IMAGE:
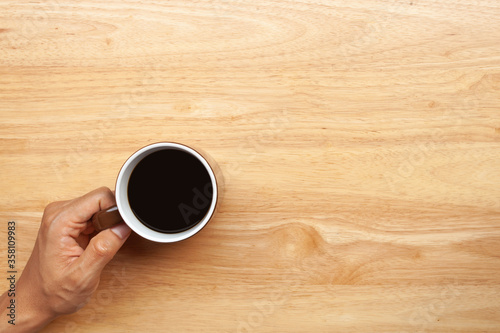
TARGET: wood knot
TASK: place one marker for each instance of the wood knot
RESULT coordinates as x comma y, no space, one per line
297,240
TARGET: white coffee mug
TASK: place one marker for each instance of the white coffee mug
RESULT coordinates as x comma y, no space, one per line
122,211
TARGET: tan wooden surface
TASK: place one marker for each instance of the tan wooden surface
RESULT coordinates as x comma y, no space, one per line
360,141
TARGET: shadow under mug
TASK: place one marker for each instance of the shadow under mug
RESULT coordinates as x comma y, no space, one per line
123,212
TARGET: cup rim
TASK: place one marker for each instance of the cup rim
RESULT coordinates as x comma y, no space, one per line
125,210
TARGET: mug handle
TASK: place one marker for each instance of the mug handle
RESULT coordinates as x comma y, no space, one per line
106,218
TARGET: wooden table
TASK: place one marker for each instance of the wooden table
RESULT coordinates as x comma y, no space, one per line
360,142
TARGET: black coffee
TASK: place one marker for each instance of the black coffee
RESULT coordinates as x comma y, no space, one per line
170,191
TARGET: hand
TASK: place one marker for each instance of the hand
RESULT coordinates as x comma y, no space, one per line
66,263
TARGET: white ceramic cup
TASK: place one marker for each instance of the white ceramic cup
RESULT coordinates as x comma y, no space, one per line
106,218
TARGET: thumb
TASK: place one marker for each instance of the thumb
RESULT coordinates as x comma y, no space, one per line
103,247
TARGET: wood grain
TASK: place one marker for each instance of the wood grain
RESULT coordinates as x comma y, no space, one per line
360,142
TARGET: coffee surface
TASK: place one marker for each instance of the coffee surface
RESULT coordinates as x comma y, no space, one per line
170,191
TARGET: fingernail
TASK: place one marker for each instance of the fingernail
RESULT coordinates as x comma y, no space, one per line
121,230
